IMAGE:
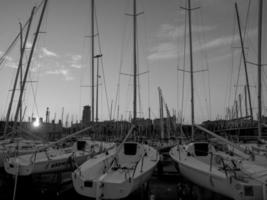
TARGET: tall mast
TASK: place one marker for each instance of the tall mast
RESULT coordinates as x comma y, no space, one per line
21,57
134,60
92,57
97,84
259,66
18,71
245,62
161,114
246,107
29,61
191,71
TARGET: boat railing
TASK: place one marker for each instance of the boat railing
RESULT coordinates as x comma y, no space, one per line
114,156
231,168
141,159
211,160
179,152
142,162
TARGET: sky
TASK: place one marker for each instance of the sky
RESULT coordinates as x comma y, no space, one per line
60,72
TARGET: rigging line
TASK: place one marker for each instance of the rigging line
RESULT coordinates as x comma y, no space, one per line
238,78
125,38
34,92
200,107
102,65
246,20
184,63
117,98
240,61
38,45
128,102
246,24
144,45
83,71
207,63
232,69
81,77
102,104
138,78
148,68
265,84
10,47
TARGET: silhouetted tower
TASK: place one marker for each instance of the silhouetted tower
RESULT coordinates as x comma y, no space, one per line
86,117
47,115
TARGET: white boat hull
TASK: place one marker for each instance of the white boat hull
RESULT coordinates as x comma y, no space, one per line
112,184
217,180
218,184
66,163
40,162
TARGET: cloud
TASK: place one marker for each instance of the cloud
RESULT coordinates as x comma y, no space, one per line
8,58
10,62
77,66
171,31
35,66
28,45
167,33
223,56
225,40
47,53
12,65
64,72
165,50
217,42
76,58
74,61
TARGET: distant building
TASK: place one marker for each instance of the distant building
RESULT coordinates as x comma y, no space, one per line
86,117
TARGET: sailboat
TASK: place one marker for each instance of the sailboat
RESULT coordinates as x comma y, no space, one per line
51,159
225,172
259,148
116,174
17,145
256,148
220,172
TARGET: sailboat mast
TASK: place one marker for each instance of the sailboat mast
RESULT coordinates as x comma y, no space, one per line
191,70
259,67
245,62
134,59
97,85
29,61
19,70
161,114
92,58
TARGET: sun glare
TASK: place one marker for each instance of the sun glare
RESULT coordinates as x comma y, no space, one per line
36,123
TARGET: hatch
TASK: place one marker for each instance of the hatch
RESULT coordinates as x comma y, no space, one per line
201,149
130,149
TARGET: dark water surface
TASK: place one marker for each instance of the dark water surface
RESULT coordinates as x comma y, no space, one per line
161,187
